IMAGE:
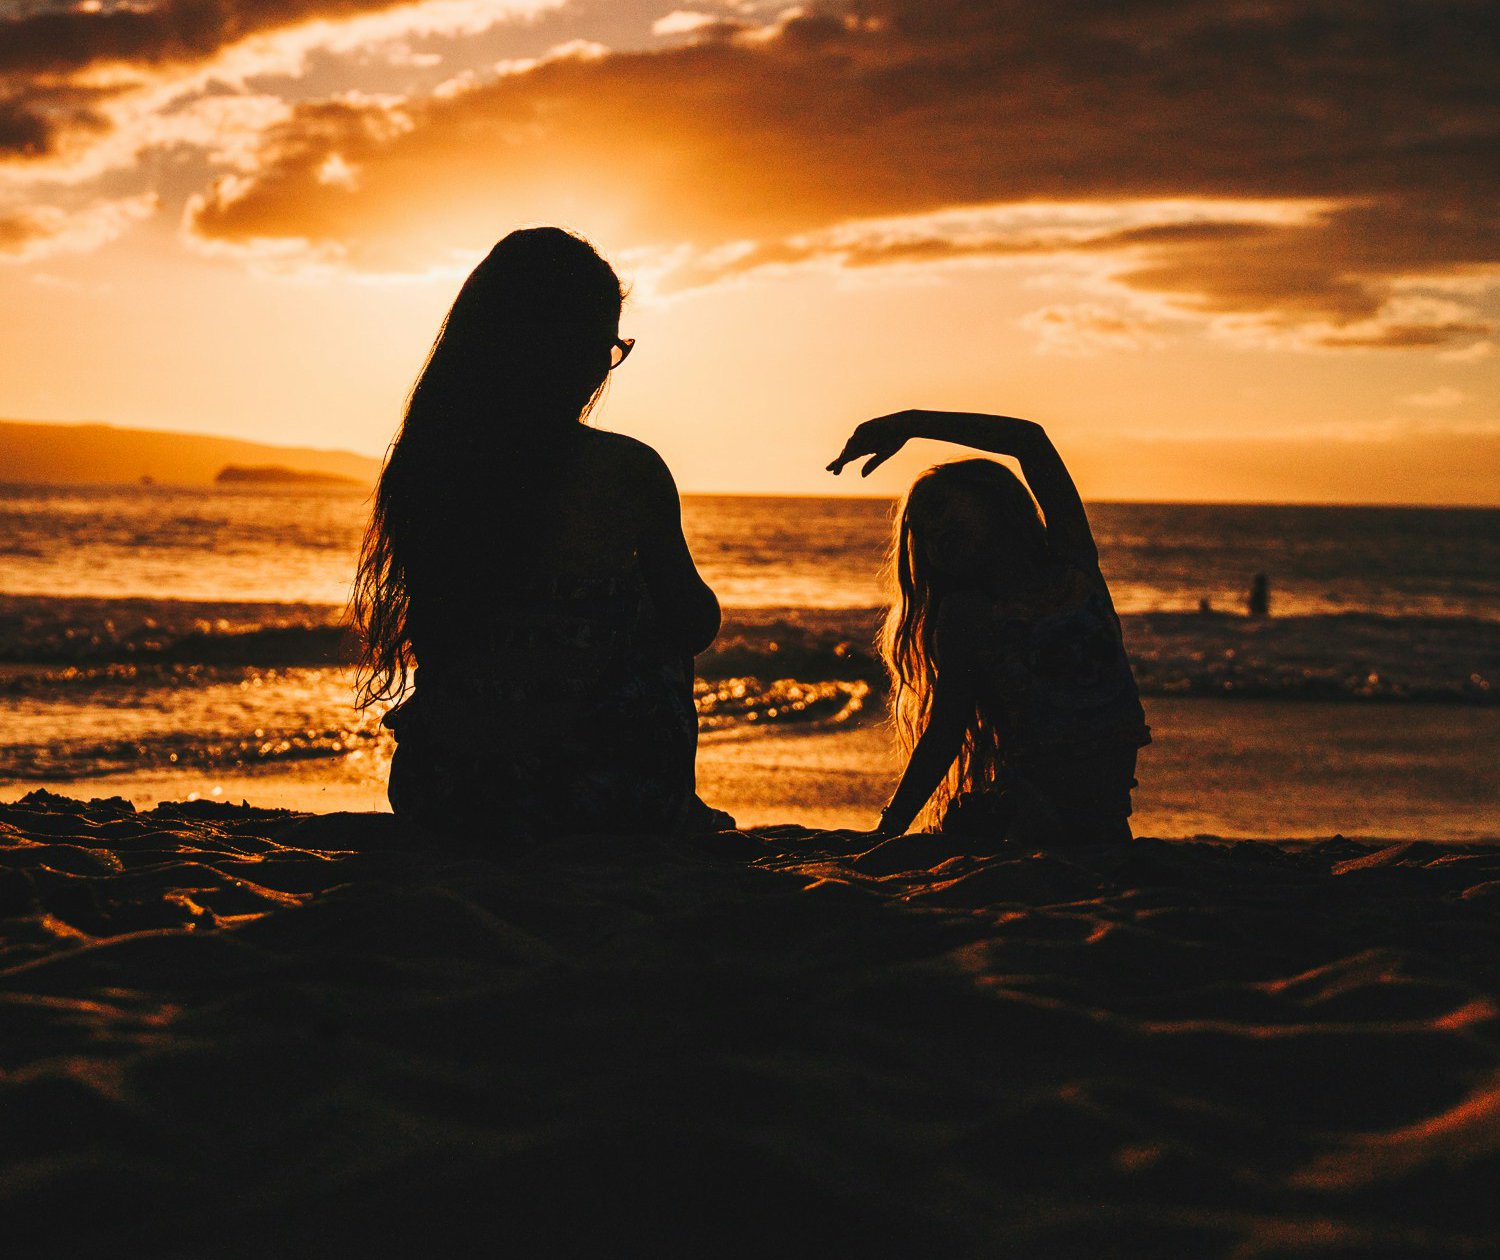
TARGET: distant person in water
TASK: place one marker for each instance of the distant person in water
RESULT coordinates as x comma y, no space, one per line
1259,602
1013,695
525,591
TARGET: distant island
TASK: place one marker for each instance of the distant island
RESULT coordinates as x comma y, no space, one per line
276,475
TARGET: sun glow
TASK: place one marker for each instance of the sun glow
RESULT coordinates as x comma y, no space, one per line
261,237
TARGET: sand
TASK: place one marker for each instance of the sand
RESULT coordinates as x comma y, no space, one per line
234,1032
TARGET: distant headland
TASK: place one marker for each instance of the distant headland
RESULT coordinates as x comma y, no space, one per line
71,454
276,475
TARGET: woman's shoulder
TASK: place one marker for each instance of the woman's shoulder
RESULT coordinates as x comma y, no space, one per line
627,464
621,446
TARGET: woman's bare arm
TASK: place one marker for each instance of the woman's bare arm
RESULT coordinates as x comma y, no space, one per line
1023,440
686,606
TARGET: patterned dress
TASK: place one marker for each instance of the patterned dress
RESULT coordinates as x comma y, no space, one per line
564,713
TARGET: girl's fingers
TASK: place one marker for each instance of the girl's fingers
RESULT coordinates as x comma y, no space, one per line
864,441
851,450
877,457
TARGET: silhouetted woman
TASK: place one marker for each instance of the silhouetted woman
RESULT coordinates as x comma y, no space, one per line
532,572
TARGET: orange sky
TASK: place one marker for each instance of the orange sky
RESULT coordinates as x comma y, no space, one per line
1223,250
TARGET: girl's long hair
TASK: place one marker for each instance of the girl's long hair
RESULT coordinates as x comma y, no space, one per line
908,640
521,358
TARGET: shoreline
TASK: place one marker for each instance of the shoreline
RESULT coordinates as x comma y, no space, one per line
1241,768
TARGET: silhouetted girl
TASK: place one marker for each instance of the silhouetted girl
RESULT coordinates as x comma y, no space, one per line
1013,693
532,571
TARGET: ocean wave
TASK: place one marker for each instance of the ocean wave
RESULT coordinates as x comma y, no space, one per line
58,760
785,669
82,630
1337,656
1344,656
809,663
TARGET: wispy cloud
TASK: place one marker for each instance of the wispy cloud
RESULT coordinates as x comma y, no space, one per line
31,233
1441,396
1475,352
1085,329
683,22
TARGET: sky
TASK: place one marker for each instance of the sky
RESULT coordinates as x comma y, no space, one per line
1222,249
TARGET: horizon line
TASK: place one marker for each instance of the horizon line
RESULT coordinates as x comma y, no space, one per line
293,488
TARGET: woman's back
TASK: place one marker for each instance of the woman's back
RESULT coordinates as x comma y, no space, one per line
605,500
610,518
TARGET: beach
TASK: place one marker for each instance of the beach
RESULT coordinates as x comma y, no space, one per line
242,1032
250,1013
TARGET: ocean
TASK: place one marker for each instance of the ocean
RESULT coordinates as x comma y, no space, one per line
189,642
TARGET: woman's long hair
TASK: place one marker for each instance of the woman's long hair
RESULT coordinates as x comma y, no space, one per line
908,640
521,358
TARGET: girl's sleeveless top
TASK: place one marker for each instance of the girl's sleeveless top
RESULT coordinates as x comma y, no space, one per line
1061,679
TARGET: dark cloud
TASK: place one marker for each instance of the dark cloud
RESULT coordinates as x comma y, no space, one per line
66,40
882,249
23,130
1384,109
44,51
1397,336
31,122
19,230
1342,268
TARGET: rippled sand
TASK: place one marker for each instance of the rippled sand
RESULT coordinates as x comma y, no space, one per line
239,1032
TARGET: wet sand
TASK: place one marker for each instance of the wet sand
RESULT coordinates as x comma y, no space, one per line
1238,768
234,1032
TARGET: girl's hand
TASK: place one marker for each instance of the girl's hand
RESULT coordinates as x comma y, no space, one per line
879,438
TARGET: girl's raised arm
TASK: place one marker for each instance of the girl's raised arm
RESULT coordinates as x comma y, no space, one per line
1023,440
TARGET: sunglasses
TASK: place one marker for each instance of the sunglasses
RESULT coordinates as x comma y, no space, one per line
620,351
